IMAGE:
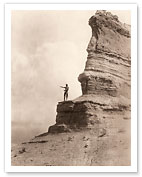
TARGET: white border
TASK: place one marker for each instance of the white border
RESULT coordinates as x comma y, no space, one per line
8,167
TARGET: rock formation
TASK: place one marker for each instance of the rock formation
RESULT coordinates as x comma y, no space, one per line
105,82
94,129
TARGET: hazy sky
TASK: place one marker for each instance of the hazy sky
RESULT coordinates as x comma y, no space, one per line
48,50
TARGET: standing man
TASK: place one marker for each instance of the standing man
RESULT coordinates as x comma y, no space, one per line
65,92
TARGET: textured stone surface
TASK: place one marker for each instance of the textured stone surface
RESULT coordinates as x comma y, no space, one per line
87,111
108,66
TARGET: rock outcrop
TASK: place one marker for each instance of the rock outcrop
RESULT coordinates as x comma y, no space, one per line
94,129
105,82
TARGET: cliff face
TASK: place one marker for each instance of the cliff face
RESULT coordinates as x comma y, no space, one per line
107,70
94,129
105,81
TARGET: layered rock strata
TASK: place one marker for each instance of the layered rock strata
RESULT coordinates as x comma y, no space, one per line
105,82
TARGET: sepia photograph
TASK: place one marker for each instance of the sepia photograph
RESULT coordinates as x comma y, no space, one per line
71,87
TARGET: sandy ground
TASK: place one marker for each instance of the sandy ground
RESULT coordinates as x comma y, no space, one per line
82,148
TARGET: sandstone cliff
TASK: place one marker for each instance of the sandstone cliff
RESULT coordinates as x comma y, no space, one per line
93,129
106,79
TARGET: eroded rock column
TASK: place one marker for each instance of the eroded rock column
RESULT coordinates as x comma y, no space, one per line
106,79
